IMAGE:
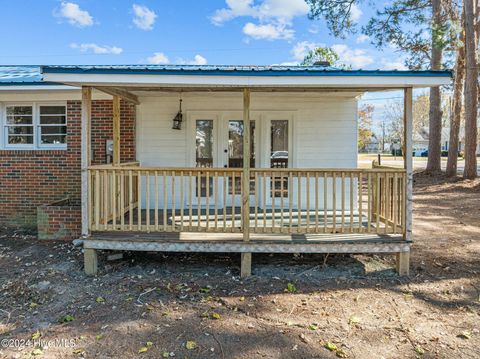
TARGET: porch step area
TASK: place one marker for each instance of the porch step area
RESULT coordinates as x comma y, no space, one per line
258,243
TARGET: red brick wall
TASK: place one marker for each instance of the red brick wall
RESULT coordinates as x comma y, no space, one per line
33,178
61,220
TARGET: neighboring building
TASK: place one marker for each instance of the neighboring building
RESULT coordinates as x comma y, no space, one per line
420,140
372,146
182,160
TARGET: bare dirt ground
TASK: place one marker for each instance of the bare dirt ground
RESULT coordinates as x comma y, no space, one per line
195,306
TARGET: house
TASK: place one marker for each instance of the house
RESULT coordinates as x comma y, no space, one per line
186,176
372,146
420,140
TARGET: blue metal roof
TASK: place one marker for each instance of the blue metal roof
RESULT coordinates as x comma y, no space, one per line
20,75
32,74
231,70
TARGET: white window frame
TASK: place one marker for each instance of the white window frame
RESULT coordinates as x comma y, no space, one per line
39,126
37,145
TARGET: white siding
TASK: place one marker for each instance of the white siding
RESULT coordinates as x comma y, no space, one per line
324,130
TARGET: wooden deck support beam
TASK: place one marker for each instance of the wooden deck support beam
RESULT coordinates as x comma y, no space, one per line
403,263
403,259
246,258
90,260
116,130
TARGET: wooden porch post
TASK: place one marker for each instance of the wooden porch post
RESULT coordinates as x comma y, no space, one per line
403,258
90,255
116,130
246,258
85,154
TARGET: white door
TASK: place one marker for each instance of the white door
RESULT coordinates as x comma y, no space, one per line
277,137
203,144
232,152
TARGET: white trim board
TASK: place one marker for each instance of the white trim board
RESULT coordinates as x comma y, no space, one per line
361,82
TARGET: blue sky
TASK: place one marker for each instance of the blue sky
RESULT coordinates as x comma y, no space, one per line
160,31
254,32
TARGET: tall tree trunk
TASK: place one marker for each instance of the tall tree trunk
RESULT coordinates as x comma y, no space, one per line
435,115
471,90
457,106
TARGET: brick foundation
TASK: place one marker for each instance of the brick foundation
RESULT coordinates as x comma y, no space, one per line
59,220
34,178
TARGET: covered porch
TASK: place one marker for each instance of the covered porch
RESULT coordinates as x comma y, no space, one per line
219,207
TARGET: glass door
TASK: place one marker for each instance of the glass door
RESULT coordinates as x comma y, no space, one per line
234,151
205,154
280,157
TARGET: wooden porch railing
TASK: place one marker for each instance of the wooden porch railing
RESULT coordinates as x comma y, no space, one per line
282,200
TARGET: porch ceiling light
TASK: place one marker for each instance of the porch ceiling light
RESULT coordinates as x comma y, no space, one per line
177,121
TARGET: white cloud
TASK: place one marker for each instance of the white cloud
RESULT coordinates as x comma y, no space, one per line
268,31
362,38
158,58
280,10
97,49
301,49
144,17
197,60
283,9
313,29
274,17
393,65
74,15
287,63
355,12
357,58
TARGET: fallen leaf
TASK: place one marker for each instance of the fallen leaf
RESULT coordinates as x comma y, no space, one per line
165,354
215,316
149,344
354,320
419,350
99,337
100,300
465,335
78,351
205,290
37,352
331,346
190,345
36,335
142,350
313,327
242,299
33,305
340,353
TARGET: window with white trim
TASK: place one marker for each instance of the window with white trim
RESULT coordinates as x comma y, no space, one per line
35,125
19,126
52,125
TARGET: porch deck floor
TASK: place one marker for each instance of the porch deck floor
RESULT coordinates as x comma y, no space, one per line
199,232
260,220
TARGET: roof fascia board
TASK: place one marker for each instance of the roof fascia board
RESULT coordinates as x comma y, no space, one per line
304,71
245,81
